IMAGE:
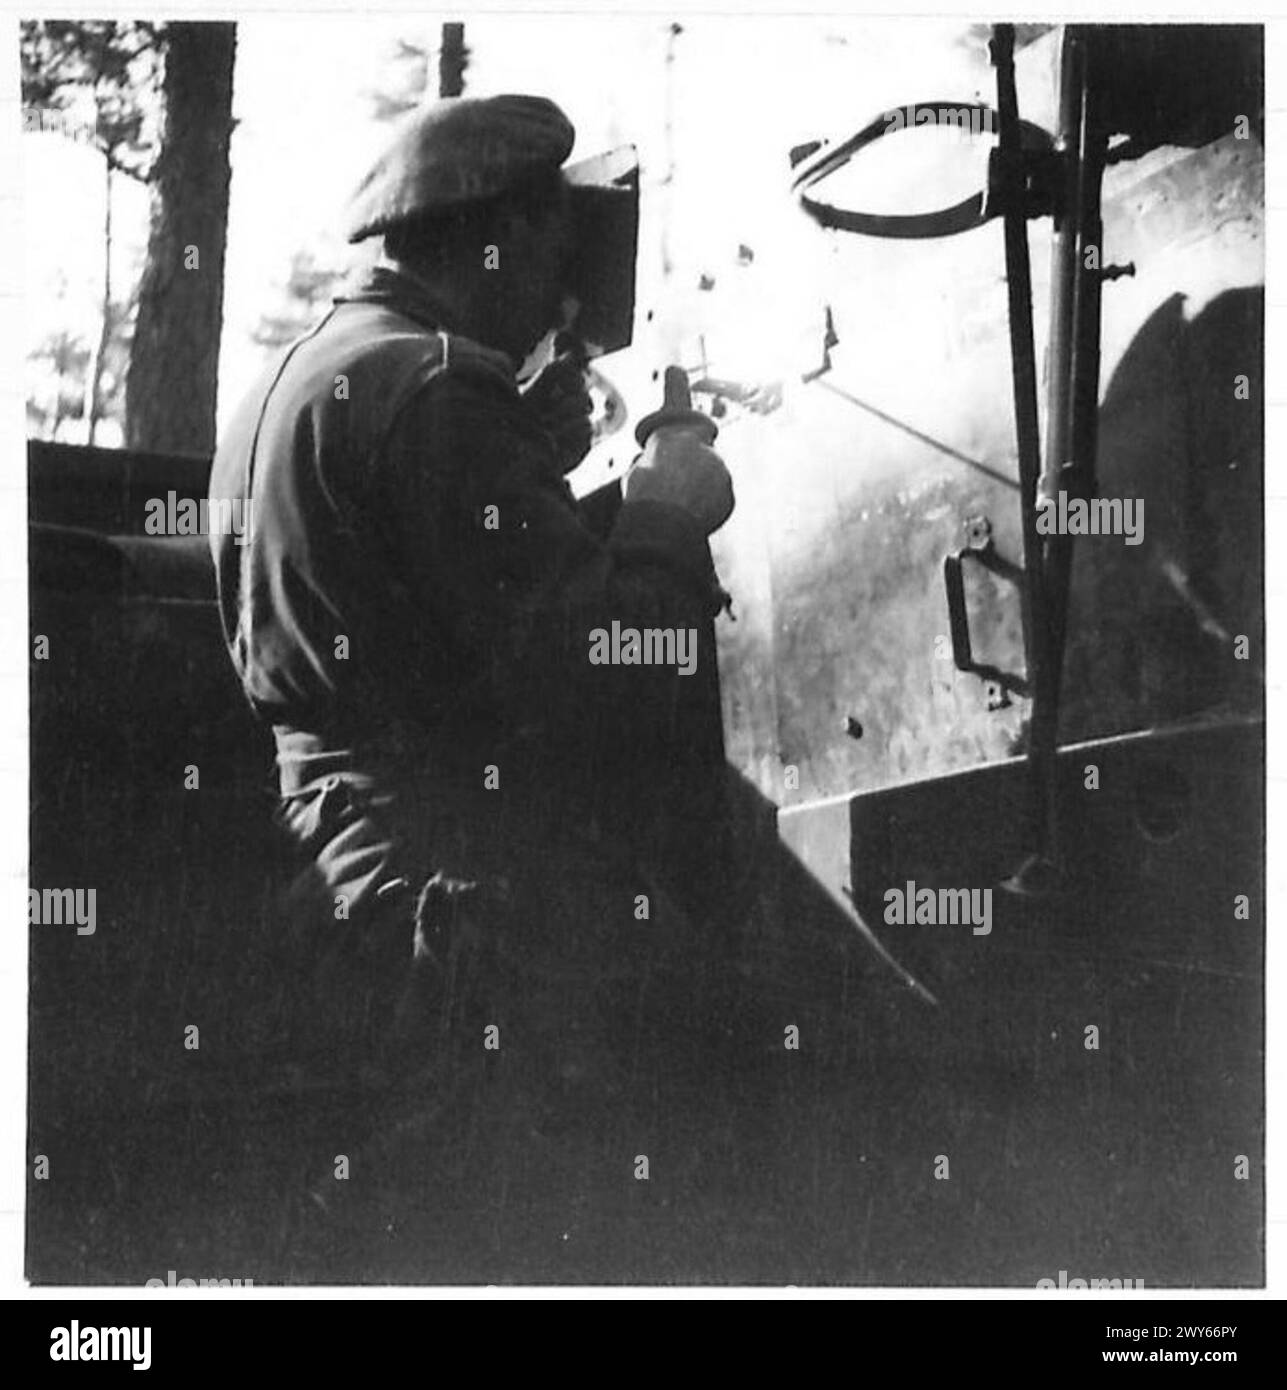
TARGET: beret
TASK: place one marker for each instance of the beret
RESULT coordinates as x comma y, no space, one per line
459,150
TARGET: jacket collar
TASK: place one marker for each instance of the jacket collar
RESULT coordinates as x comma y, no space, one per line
399,288
386,283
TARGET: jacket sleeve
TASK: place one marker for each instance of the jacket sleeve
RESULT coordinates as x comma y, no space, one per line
487,536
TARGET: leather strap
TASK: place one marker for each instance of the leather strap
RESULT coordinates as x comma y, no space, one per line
960,217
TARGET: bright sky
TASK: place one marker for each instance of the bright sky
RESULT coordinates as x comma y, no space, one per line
741,93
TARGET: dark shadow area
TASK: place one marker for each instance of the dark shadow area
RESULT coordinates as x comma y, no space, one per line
1152,626
1181,84
163,1157
767,1164
1117,1152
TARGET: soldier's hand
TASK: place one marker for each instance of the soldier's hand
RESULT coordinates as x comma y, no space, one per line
561,401
676,467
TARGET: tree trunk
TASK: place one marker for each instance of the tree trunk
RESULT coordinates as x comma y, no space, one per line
92,404
171,387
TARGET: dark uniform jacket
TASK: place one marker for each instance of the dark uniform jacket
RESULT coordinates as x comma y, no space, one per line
419,588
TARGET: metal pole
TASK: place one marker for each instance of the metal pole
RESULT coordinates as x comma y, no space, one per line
1073,364
453,57
1022,355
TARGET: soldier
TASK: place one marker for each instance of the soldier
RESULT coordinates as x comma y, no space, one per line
413,609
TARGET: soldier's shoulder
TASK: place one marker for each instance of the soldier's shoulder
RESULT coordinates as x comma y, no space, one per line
378,339
463,359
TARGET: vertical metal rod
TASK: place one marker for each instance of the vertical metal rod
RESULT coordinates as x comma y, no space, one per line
1074,394
1035,874
1022,352
1080,406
